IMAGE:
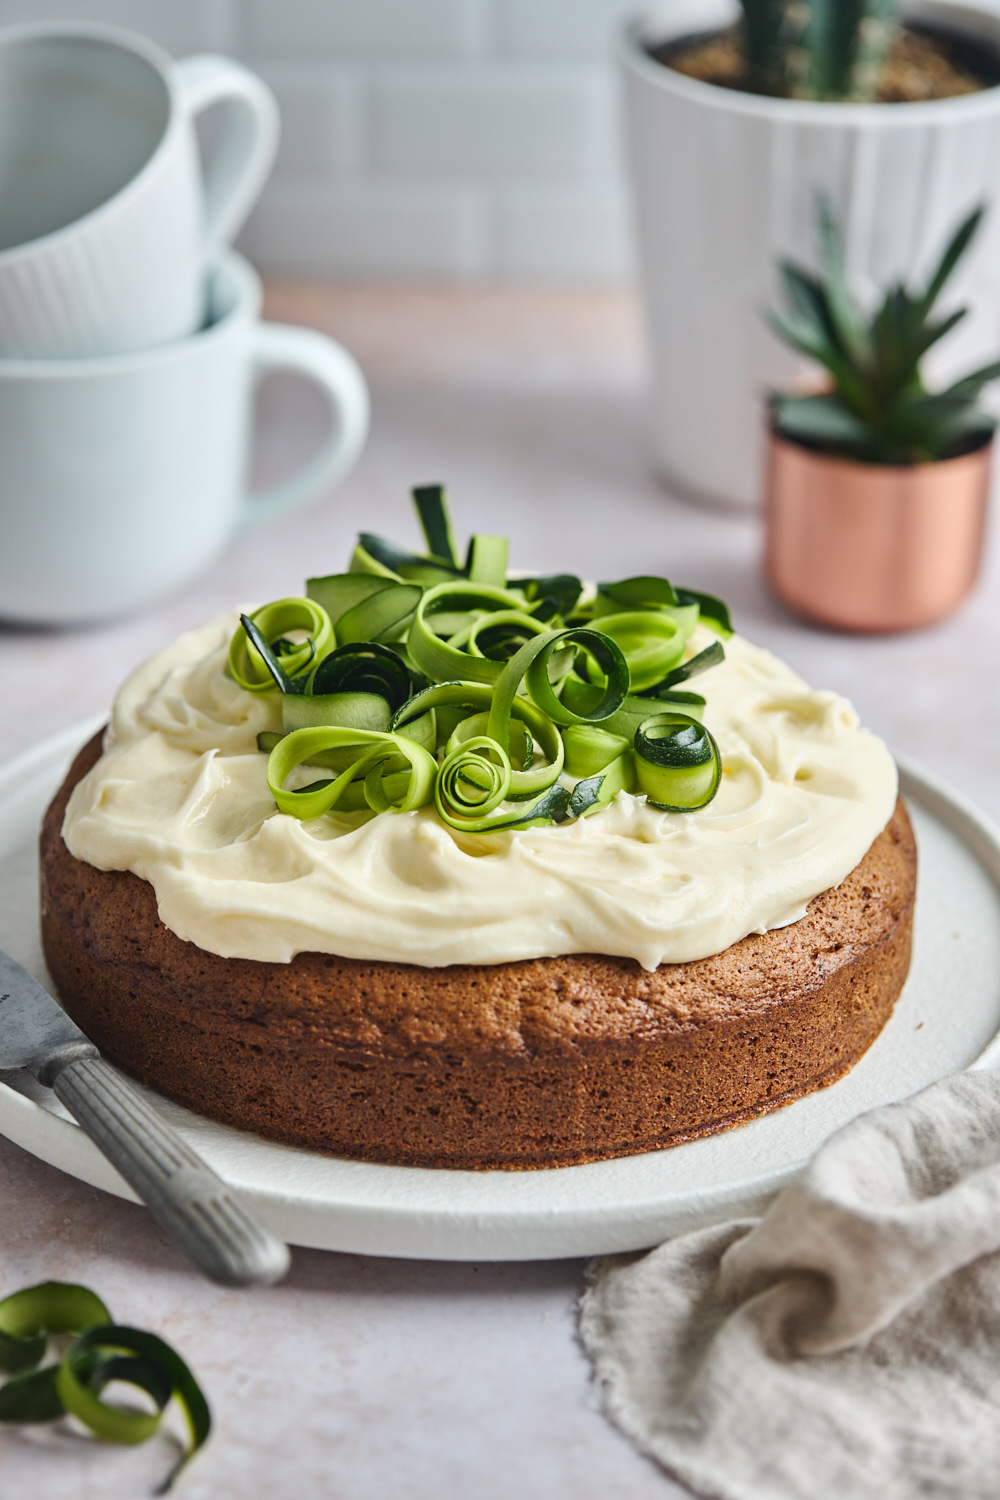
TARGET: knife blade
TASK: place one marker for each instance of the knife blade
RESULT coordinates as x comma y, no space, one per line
33,1028
203,1214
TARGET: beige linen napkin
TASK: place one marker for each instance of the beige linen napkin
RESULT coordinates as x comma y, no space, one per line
847,1344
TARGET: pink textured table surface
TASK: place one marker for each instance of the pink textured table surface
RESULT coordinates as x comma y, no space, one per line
365,1377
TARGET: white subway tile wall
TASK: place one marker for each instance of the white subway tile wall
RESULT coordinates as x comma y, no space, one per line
423,139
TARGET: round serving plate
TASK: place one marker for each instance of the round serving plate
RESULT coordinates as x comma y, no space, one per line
947,1019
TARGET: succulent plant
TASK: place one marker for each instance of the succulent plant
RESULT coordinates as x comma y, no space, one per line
877,409
816,49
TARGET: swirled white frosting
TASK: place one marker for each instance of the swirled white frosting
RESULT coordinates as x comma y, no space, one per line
179,797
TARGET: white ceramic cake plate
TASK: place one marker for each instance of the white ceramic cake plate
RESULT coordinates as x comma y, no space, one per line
946,1020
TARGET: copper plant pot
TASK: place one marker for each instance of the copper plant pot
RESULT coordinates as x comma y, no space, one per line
873,547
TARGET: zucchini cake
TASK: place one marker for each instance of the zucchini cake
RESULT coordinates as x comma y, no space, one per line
440,867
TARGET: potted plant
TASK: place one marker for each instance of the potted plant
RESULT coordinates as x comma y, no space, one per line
876,487
725,178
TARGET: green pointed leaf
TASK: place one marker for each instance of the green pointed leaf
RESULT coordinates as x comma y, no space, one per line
930,333
928,426
846,378
806,297
970,385
845,316
805,337
956,248
896,332
965,428
821,421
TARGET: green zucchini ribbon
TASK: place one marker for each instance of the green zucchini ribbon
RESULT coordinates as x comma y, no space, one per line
677,762
275,624
419,679
395,773
100,1352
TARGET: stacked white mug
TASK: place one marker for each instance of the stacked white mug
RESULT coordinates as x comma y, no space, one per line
129,333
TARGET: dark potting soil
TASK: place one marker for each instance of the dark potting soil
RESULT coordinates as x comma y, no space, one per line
922,64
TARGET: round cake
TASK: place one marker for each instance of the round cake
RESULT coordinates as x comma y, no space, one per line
542,1062
436,867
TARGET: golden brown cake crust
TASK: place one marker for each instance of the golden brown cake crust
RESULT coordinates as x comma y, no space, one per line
544,1062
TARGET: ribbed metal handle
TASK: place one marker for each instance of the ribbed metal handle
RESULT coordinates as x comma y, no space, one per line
195,1207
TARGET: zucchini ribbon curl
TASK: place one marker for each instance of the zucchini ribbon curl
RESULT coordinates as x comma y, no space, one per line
505,701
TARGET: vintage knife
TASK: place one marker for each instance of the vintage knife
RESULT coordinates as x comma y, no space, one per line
195,1207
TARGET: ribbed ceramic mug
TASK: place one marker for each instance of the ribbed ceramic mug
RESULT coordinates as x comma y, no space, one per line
121,478
107,222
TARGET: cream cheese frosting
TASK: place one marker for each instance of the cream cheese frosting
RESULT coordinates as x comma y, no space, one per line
179,797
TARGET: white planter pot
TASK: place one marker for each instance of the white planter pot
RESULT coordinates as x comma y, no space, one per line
725,184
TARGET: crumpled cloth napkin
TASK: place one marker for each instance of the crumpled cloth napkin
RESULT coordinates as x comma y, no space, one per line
845,1345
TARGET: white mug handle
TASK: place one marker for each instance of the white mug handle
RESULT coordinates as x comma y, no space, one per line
244,152
277,346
